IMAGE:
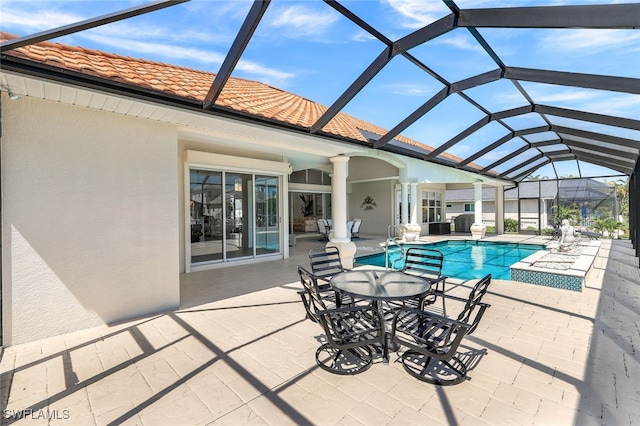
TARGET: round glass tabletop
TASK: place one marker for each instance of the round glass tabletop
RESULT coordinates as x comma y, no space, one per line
380,284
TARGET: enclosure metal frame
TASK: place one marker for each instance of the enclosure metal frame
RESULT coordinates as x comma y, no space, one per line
574,143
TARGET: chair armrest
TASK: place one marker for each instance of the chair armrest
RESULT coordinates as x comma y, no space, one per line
463,300
439,280
304,295
352,326
428,333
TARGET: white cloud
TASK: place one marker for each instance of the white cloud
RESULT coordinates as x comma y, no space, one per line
142,48
164,42
561,96
418,13
29,20
459,41
202,56
411,90
37,20
361,36
590,41
298,21
598,101
264,74
621,105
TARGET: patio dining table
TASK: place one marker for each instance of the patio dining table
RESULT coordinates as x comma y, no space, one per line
379,286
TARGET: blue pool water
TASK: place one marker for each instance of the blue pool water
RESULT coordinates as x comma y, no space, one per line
464,259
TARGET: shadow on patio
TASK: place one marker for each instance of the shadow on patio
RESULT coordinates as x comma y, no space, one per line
247,356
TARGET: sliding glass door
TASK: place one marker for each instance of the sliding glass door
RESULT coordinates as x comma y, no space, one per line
238,198
268,215
233,215
206,207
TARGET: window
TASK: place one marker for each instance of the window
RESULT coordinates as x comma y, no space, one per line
469,207
310,176
432,206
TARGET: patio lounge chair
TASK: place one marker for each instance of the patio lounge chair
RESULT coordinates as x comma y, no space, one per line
589,234
350,331
323,229
433,340
355,228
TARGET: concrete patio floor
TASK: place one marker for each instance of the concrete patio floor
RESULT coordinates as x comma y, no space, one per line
239,351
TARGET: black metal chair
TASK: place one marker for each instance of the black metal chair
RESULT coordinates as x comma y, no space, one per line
325,262
310,287
473,309
350,331
427,263
433,340
557,232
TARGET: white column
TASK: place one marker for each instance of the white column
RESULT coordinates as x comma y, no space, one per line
499,210
414,203
404,197
339,237
412,229
478,206
339,198
478,229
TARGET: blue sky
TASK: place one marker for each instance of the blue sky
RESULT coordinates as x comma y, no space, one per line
307,48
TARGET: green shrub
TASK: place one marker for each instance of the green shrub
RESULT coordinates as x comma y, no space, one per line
609,224
510,225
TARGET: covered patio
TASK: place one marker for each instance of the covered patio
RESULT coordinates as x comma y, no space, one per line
245,354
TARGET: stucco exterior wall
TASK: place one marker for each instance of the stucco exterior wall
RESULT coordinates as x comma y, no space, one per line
374,221
364,168
90,218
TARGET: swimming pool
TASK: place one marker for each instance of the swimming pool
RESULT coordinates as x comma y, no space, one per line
465,259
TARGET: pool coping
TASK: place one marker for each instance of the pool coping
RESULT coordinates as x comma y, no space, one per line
570,279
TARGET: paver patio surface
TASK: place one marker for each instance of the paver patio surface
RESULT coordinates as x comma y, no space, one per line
541,356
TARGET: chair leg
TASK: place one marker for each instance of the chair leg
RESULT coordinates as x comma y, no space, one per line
432,370
344,361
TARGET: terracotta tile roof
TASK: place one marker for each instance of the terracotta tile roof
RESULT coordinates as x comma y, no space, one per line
246,96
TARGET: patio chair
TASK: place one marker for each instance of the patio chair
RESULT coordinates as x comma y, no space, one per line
473,308
355,228
432,340
310,287
557,232
427,263
589,234
325,262
323,229
350,331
